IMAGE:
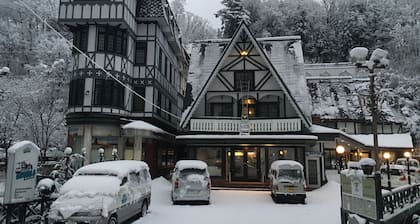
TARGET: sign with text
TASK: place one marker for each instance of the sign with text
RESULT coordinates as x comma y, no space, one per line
21,172
359,194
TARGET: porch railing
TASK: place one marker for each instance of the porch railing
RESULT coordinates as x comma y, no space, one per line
233,125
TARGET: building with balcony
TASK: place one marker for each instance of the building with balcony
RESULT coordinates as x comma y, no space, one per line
251,106
138,43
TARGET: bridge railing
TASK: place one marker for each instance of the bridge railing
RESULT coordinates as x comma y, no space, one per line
398,198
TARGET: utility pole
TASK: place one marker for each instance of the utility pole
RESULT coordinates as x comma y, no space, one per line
374,113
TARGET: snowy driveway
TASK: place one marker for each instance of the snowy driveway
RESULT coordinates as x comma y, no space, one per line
244,207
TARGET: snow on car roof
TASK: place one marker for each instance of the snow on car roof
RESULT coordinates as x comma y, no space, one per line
191,164
120,168
90,186
290,163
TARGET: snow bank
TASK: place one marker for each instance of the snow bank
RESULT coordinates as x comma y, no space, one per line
141,125
119,168
191,164
286,163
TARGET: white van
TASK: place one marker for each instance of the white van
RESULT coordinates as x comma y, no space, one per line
109,192
190,182
287,181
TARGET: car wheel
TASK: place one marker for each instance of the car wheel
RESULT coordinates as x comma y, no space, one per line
143,209
113,220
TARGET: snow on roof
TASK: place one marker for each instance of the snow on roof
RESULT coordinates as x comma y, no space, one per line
353,164
141,125
191,164
318,129
386,140
119,168
302,137
21,144
286,163
281,57
367,162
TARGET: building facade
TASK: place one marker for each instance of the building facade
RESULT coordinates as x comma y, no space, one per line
251,107
138,43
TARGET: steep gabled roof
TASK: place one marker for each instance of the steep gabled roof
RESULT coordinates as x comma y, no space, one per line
216,66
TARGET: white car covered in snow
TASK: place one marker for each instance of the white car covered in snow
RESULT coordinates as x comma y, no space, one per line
109,192
287,181
191,182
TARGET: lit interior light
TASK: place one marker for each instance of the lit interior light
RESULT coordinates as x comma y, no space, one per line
244,53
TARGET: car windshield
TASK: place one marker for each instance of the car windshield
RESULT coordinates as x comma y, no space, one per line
186,172
403,162
290,175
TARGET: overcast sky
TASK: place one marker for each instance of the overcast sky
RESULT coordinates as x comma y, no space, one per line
205,9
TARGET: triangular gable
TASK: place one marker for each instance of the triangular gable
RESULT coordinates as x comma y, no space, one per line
257,49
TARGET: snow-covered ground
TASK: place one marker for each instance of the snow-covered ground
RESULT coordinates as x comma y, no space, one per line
243,207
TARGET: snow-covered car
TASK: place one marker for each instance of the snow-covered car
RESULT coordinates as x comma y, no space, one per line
191,182
398,176
287,181
109,192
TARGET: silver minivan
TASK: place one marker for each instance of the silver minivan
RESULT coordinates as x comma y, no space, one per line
104,193
190,182
287,181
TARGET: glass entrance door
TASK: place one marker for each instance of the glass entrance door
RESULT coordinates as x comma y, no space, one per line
245,165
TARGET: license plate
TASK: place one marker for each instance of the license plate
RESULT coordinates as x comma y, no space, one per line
290,189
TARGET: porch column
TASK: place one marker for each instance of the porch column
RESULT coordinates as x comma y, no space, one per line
138,148
87,142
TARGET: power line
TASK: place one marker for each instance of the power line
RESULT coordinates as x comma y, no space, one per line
94,62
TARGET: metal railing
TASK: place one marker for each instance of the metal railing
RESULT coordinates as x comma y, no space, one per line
234,125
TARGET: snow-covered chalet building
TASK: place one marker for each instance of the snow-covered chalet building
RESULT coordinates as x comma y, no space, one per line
251,106
137,42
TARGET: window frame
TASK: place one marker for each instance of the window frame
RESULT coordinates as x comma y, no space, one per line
238,77
141,46
109,38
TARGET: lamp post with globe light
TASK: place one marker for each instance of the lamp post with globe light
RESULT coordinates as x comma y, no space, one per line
67,153
340,151
387,156
115,154
378,59
101,152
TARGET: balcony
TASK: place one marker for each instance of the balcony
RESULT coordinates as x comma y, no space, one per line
255,126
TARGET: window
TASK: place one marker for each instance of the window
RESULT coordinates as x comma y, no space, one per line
108,93
268,109
165,68
159,103
139,104
77,89
221,109
80,38
166,158
160,60
248,107
112,40
141,52
213,158
244,81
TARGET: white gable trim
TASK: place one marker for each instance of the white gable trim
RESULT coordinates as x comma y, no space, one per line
214,73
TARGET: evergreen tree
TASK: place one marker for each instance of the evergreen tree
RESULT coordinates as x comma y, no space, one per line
232,15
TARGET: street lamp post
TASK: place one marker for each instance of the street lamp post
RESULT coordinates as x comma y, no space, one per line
387,156
115,154
101,155
377,60
340,151
408,155
67,153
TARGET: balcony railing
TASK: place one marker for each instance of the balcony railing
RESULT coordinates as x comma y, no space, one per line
234,125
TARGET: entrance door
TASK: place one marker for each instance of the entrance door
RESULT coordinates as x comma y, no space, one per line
245,165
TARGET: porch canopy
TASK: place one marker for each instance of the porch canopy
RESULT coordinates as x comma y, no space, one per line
385,141
255,140
146,130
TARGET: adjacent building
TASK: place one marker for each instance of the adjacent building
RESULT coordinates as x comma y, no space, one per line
138,43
